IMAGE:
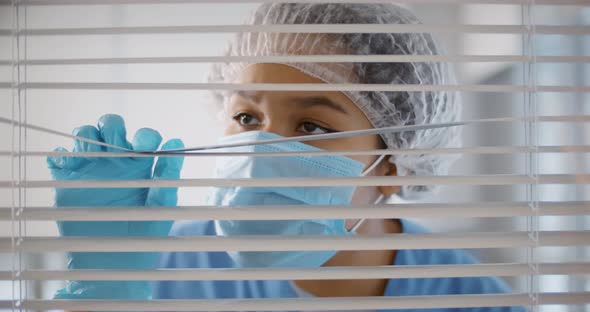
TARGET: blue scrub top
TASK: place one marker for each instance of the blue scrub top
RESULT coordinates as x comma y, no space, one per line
283,289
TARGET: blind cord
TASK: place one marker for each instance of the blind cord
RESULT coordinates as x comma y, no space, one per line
335,135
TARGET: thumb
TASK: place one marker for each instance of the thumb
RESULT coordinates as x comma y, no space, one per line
166,168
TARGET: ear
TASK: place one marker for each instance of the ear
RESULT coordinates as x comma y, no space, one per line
390,170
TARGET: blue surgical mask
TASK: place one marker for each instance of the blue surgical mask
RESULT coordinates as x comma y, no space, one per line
301,166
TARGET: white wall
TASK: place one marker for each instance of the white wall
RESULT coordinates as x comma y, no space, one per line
183,114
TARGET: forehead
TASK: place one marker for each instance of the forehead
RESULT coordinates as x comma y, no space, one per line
281,73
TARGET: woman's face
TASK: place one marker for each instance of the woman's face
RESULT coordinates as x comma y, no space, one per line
298,113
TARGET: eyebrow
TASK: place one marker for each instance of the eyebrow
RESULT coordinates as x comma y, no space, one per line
305,101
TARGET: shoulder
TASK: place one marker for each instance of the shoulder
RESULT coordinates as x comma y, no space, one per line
193,259
443,286
186,260
430,256
192,228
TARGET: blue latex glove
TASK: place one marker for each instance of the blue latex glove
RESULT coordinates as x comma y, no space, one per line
111,130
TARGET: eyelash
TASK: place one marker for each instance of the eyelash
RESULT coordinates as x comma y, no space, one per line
237,117
326,130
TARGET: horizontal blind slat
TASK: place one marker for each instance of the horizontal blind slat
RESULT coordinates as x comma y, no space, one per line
307,304
292,87
452,2
499,179
462,150
304,58
321,273
284,212
477,240
308,28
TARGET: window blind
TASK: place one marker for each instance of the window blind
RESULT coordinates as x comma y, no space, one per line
530,207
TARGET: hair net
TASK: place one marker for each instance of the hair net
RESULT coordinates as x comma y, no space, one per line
382,109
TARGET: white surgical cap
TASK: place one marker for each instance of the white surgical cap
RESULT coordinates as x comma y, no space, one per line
382,109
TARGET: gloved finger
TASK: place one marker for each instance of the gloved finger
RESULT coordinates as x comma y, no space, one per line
169,167
112,131
88,132
146,139
62,162
166,168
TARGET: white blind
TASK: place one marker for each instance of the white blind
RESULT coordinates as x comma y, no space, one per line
519,198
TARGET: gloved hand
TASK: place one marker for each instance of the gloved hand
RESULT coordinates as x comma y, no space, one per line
111,130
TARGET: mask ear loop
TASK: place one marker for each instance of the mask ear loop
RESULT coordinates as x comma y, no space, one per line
378,200
373,165
361,221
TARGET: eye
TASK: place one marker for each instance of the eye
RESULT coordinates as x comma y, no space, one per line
246,120
312,128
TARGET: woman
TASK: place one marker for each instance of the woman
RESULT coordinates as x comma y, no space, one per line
251,116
